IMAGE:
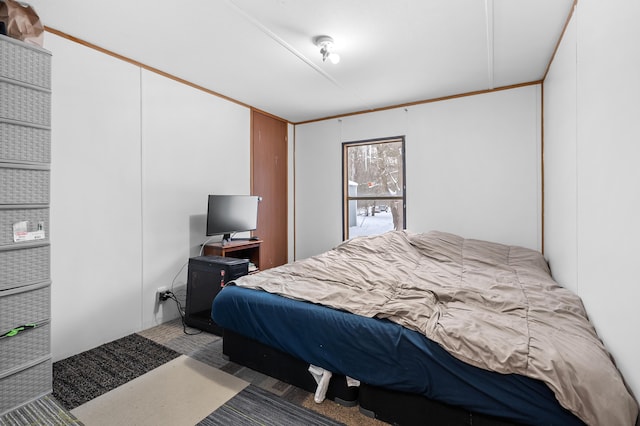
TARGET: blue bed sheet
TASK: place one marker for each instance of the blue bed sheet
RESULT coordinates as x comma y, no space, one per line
384,354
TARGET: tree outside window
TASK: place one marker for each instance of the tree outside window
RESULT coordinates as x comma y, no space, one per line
373,186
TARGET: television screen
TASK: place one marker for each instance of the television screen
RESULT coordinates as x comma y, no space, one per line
227,214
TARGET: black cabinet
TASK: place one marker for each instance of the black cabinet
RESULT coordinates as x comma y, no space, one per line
206,277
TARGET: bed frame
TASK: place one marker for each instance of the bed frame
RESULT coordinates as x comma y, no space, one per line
398,408
283,366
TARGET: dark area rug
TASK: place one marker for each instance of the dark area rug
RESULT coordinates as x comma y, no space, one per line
254,405
85,376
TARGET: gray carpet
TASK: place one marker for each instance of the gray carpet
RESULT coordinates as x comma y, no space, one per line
45,411
266,401
254,405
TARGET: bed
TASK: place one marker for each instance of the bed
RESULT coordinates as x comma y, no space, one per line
431,326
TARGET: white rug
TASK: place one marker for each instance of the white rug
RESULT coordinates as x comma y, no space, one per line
181,392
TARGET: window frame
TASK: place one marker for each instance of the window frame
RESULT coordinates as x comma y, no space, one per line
345,181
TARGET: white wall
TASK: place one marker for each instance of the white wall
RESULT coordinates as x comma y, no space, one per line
591,139
560,191
193,144
95,198
472,168
134,156
291,191
318,173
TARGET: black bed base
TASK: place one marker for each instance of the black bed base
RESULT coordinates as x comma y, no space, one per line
397,408
284,367
401,408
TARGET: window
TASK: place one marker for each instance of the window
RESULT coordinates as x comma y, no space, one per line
373,186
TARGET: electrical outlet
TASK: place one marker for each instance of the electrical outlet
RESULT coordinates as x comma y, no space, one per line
161,294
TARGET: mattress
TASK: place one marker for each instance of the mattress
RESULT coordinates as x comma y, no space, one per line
383,354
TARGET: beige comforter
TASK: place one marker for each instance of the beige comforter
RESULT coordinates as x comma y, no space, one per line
490,305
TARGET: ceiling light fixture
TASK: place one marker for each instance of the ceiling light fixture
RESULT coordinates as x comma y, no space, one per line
325,43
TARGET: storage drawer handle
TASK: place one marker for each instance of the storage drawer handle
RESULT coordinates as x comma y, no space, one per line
17,330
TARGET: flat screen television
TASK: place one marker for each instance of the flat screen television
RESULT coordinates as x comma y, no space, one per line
228,214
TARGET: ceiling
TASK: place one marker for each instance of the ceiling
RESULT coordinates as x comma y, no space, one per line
261,52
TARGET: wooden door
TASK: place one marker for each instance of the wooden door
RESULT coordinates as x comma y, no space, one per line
269,180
